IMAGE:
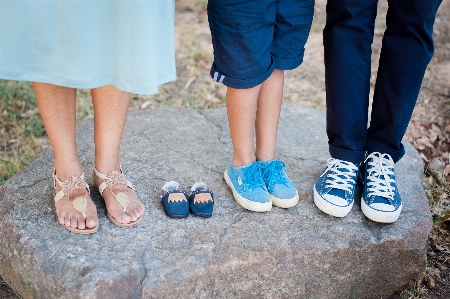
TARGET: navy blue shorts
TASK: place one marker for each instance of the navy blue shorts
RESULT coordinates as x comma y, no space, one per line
251,38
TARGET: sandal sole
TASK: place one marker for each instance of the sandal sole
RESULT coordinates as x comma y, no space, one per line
81,231
118,224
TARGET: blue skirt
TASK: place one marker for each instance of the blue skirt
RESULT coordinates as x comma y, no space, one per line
88,43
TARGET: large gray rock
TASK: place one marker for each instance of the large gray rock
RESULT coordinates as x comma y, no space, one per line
295,253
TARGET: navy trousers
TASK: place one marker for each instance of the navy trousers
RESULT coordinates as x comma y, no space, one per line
407,49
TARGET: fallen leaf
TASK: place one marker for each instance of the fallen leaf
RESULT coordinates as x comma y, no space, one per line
447,170
424,140
436,129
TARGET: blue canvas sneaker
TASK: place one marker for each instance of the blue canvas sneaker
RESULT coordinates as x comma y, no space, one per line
281,190
248,187
381,201
334,191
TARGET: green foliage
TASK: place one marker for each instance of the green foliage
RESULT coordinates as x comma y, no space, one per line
20,127
202,3
19,110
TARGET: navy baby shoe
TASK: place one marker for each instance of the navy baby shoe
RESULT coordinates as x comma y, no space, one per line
201,200
174,200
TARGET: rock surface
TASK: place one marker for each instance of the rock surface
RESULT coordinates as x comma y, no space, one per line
295,253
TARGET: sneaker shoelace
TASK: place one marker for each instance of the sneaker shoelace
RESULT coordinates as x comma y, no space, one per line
341,175
274,172
380,175
253,175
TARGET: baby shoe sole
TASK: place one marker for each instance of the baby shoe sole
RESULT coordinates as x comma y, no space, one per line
330,208
176,217
201,215
245,203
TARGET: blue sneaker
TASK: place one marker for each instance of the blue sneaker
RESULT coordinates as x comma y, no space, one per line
249,189
381,201
334,191
281,190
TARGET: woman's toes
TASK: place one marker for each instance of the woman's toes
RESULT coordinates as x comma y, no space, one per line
91,222
140,209
124,218
81,222
73,222
132,215
120,216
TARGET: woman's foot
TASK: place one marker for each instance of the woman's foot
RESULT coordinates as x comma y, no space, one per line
122,204
74,207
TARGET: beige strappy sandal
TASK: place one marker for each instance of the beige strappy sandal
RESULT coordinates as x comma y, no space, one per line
116,181
77,190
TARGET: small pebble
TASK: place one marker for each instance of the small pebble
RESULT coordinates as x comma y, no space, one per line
430,282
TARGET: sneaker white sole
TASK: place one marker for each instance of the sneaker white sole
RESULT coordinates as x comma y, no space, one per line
378,216
330,208
284,203
245,203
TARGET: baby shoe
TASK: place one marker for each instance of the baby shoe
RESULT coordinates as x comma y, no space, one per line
201,200
174,200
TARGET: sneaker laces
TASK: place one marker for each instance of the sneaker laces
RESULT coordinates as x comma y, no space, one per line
341,174
253,175
274,172
380,175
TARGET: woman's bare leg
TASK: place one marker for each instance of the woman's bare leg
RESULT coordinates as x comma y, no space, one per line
57,106
110,111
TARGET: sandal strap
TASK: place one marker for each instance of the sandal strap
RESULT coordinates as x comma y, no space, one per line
111,179
71,184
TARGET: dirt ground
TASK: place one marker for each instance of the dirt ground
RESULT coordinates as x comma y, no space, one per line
429,130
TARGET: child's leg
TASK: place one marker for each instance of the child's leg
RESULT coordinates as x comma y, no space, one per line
268,115
247,50
57,108
244,174
282,191
260,105
241,109
110,111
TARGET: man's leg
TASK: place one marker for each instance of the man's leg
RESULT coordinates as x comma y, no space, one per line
407,49
347,39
